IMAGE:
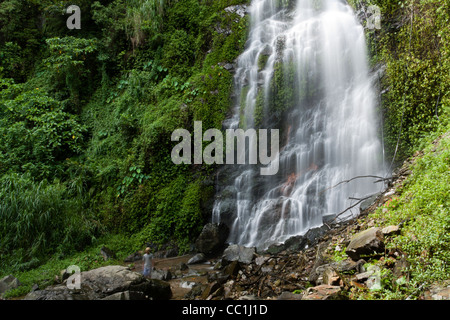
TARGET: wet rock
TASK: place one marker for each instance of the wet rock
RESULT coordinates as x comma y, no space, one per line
298,243
275,248
314,234
212,238
198,258
239,253
366,242
158,274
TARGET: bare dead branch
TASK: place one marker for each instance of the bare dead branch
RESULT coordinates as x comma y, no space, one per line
380,179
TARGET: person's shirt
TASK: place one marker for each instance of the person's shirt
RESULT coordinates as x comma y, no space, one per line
147,260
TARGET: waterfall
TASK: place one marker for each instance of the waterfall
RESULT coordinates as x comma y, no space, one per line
304,72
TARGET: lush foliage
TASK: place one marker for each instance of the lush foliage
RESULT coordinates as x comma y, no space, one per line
413,47
86,118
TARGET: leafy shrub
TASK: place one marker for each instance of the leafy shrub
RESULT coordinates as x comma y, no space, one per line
414,46
47,133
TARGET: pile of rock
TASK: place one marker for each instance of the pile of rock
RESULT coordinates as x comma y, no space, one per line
287,271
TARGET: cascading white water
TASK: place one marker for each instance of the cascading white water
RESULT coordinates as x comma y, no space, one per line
305,72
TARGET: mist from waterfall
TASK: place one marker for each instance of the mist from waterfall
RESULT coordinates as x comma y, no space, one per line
305,72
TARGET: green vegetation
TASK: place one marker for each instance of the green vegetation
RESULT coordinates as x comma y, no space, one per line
86,118
413,46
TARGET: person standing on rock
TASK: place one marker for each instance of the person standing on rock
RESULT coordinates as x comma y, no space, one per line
148,262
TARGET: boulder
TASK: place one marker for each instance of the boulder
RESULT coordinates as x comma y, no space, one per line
366,242
314,234
298,243
212,238
238,253
108,280
102,282
7,283
198,258
160,274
